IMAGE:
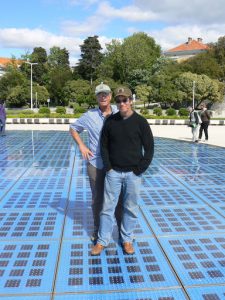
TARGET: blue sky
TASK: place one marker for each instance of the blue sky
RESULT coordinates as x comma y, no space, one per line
25,24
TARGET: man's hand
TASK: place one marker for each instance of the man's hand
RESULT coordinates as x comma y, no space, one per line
86,153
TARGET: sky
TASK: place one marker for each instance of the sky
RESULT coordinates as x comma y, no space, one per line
25,24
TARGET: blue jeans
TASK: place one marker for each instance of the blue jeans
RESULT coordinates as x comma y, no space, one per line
130,184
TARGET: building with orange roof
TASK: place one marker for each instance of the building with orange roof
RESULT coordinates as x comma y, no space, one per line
4,62
187,50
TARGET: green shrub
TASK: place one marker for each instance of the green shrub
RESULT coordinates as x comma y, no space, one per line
70,104
171,112
60,110
183,112
157,111
44,110
78,109
144,111
18,111
23,115
27,112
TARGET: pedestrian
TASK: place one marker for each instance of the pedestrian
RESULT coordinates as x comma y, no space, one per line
205,117
92,121
2,118
194,123
127,148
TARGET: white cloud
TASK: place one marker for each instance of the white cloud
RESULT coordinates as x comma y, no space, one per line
192,11
28,38
129,13
172,36
89,27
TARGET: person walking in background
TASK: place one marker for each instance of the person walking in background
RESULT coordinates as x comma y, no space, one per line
194,123
2,118
127,148
205,117
92,121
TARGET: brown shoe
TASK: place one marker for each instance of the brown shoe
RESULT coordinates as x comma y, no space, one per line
97,249
128,248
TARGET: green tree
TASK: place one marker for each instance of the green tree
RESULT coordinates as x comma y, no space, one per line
168,94
205,88
58,74
11,79
143,92
112,63
77,91
91,58
58,78
138,77
219,50
39,55
203,63
17,96
138,51
42,95
164,73
39,69
219,53
58,58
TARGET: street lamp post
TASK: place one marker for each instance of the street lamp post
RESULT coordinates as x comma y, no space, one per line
193,93
36,98
31,82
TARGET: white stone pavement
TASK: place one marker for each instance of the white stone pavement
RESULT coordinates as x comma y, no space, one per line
180,132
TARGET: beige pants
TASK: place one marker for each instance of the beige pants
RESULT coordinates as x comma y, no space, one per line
195,132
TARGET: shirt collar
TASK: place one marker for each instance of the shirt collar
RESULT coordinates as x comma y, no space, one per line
113,109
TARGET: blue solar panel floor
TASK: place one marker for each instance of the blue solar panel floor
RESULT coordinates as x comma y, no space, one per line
46,223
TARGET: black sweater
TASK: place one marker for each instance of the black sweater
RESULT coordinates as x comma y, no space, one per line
127,144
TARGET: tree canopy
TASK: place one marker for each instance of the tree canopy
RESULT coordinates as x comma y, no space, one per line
91,58
135,61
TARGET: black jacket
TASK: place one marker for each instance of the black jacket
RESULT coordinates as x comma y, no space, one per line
127,144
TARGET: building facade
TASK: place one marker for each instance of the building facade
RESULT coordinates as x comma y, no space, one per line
187,50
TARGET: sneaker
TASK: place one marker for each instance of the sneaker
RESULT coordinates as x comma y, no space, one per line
128,248
97,249
196,141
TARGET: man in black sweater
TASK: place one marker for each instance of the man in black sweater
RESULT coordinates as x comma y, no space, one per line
127,148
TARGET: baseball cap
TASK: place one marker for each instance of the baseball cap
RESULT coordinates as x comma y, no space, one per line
102,88
123,91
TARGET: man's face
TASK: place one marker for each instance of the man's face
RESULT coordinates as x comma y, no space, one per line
104,99
123,104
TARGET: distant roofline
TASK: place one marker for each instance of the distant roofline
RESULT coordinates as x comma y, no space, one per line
4,61
190,45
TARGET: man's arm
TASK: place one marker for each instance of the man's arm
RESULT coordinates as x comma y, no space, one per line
85,151
104,144
148,146
196,118
207,114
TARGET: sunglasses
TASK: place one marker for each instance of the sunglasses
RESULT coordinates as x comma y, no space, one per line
122,101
